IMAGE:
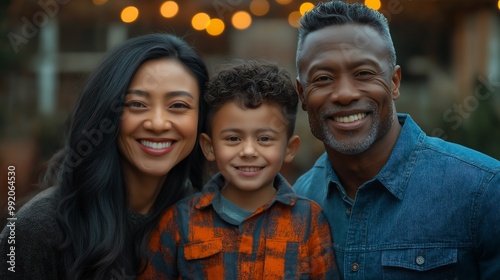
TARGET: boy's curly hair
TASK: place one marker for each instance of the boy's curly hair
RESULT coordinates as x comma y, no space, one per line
251,83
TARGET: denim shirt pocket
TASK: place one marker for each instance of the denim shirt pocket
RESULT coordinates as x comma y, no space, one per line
420,263
202,249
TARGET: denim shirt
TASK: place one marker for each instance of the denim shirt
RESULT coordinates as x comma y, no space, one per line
433,212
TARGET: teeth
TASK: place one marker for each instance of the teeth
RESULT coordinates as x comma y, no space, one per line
249,169
350,118
156,145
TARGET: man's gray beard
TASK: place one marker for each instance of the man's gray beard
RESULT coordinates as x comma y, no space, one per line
353,148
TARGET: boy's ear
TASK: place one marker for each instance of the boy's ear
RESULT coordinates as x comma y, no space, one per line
207,147
292,148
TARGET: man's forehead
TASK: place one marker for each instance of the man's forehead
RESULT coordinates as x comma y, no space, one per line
355,35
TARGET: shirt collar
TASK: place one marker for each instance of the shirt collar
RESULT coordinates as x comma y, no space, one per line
285,194
395,173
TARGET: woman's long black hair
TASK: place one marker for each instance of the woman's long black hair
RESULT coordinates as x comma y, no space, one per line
93,211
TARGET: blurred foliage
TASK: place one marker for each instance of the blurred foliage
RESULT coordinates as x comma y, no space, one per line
479,127
9,60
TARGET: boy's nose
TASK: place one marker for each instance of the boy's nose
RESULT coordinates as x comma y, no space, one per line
248,150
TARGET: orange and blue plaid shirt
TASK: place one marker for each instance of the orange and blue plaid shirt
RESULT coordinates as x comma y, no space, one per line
287,238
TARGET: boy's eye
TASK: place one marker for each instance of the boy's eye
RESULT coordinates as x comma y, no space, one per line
232,138
265,139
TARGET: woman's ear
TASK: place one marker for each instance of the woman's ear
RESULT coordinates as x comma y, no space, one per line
292,148
207,147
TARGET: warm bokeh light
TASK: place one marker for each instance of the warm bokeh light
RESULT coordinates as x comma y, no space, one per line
499,4
306,7
373,4
99,2
259,7
129,14
215,27
169,9
200,21
283,2
293,18
241,20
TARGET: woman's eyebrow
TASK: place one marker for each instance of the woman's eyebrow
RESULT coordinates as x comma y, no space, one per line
169,94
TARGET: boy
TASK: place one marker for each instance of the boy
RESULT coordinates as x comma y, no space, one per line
247,223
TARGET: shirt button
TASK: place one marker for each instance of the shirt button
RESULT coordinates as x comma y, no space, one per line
420,260
354,267
348,211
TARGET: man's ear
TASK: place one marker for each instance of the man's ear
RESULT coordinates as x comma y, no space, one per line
292,148
207,147
396,82
300,91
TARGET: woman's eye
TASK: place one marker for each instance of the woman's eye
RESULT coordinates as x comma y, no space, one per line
135,104
179,106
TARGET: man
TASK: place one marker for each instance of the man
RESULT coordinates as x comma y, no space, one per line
401,205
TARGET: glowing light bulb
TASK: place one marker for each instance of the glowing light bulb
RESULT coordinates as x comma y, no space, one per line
241,20
129,14
373,4
169,9
215,27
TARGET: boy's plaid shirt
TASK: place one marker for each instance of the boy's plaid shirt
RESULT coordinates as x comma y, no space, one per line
287,238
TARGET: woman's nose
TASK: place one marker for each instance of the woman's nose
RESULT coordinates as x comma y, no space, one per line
158,121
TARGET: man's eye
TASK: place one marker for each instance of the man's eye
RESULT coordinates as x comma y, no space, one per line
322,79
363,73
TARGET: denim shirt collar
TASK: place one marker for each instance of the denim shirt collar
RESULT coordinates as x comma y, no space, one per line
395,174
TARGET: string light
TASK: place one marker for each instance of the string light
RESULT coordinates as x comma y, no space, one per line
241,20
215,27
259,7
99,2
283,2
129,14
169,9
293,18
306,7
373,4
200,21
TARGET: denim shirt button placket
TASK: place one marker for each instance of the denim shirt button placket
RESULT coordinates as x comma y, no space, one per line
354,267
420,260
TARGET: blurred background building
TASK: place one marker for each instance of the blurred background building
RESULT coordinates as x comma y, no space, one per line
449,51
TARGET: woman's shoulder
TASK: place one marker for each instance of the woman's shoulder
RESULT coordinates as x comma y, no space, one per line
38,217
41,206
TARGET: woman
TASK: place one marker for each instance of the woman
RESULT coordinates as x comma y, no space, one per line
131,152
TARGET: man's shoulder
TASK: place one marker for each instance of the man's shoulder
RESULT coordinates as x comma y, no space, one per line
461,155
316,172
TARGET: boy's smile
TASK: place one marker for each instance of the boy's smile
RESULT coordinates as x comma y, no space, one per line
249,149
